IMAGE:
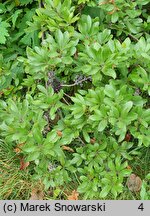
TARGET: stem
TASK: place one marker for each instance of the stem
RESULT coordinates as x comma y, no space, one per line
134,38
46,86
67,95
65,101
69,85
81,141
74,84
77,178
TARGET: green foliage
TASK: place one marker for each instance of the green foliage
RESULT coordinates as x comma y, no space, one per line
14,39
145,192
76,73
4,32
55,15
117,111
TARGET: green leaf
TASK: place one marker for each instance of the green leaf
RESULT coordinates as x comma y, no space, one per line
59,38
83,187
52,112
109,72
86,136
114,17
3,31
42,89
122,136
102,125
2,8
89,22
77,158
86,68
143,192
51,136
148,176
132,28
125,172
111,165
37,135
25,106
146,56
13,106
116,189
33,156
15,16
105,191
127,107
83,1
110,91
25,2
30,149
104,36
67,60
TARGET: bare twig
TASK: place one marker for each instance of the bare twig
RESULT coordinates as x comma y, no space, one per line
81,141
134,38
67,95
76,83
65,101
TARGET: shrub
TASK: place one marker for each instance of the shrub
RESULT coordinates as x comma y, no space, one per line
78,99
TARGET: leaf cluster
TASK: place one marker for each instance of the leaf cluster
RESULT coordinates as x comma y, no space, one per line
76,74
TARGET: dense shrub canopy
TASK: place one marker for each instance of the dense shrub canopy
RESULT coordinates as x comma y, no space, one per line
74,88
